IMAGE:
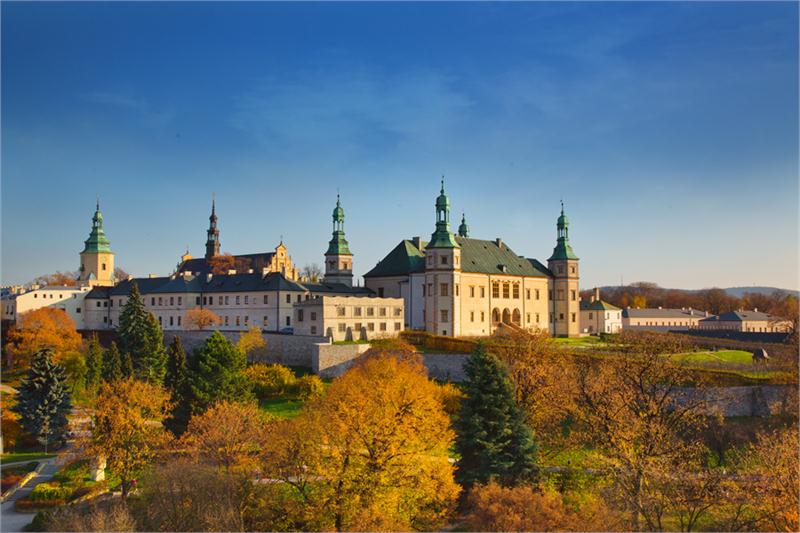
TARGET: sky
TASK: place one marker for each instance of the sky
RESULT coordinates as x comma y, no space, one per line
670,131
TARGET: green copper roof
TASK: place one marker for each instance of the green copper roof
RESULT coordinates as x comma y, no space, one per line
463,229
97,241
338,244
563,250
442,238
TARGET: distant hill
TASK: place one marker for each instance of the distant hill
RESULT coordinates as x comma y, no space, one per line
739,291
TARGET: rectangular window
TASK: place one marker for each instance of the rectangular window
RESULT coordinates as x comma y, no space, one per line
265,322
573,317
105,304
266,299
237,299
382,311
78,310
237,320
226,320
170,321
528,318
227,300
483,316
516,291
342,327
313,315
159,320
383,326
590,316
313,330
430,289
110,303
300,315
573,295
197,300
443,315
205,300
180,300
288,298
443,289
288,321
179,320
152,301
370,326
506,291
444,259
105,319
472,316
340,311
210,300
370,311
357,328
397,311
423,290
246,299
99,303
537,293
537,318
561,316
472,291
457,293
171,300
246,319
495,290
483,292
397,326
356,311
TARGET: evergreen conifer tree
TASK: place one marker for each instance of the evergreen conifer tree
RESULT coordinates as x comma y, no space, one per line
177,382
216,373
491,434
112,364
43,400
140,336
127,366
94,364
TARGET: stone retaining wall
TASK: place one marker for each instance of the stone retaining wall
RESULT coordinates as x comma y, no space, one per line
331,360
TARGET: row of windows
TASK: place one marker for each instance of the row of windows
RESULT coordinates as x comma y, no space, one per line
226,320
608,315
60,296
357,311
509,290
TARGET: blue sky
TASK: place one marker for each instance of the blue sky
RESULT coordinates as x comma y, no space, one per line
669,129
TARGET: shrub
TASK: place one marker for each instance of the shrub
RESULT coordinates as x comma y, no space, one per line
28,504
49,491
450,396
9,481
10,428
309,386
39,522
269,381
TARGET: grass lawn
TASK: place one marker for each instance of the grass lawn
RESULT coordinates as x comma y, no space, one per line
281,407
352,342
23,456
736,357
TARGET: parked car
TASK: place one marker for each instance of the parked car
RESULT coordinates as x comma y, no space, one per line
287,331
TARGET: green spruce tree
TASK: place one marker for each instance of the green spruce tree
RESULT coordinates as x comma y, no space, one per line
140,336
177,382
216,373
43,400
127,366
112,364
94,364
491,434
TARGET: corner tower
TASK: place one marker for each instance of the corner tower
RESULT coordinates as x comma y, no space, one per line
442,274
212,242
564,291
97,259
338,259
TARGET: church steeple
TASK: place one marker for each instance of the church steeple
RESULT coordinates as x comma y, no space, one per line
212,242
563,249
463,229
97,241
442,238
338,258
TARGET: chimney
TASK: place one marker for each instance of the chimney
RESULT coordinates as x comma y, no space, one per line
499,242
209,276
249,270
659,307
151,276
706,313
596,294
264,272
231,272
755,309
417,242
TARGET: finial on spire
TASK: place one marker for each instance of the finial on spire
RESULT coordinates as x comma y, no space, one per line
562,206
442,183
213,202
98,202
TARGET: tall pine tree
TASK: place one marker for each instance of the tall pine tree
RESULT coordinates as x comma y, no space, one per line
43,400
127,366
112,364
177,383
216,373
491,435
140,336
94,364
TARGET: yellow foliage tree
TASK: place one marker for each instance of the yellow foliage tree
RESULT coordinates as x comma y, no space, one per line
127,427
46,327
371,454
251,341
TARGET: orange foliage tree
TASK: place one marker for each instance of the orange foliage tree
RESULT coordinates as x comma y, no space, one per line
46,327
199,318
221,264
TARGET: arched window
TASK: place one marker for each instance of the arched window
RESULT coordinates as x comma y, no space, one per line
516,317
495,315
506,316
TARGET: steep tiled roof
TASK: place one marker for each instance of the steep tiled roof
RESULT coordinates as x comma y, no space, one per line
146,285
487,257
337,288
98,293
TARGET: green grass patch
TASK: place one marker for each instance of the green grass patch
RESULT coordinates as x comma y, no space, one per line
23,456
736,357
360,341
281,407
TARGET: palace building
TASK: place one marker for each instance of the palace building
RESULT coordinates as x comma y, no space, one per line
456,285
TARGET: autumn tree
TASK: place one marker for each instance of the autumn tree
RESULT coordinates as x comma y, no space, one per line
140,335
229,435
492,437
127,429
312,272
216,374
46,327
251,341
120,274
58,279
199,318
371,454
112,363
634,409
43,400
221,264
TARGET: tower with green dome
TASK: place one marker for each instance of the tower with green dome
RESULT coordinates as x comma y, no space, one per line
97,259
563,263
463,229
338,258
443,274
